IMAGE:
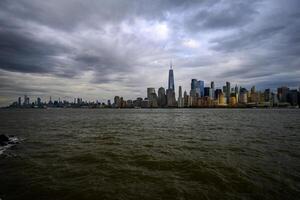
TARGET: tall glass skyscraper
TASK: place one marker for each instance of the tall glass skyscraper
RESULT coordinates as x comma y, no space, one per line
194,84
171,84
201,88
197,87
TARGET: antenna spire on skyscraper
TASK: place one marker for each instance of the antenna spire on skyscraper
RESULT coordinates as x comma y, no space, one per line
171,67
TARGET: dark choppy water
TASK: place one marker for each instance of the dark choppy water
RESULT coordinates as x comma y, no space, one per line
151,154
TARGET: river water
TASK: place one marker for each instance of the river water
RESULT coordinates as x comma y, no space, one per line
151,154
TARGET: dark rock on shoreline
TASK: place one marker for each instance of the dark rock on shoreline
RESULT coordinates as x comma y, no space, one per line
3,139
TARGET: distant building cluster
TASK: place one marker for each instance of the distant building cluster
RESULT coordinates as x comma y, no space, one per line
209,97
199,97
77,103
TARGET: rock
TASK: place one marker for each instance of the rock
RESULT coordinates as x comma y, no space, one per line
3,139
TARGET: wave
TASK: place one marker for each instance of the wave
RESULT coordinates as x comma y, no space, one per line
10,142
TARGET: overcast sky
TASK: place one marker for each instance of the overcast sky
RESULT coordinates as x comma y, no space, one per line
98,49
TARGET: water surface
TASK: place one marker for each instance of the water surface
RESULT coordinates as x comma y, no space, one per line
151,154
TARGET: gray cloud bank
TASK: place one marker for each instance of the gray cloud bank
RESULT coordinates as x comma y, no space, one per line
97,49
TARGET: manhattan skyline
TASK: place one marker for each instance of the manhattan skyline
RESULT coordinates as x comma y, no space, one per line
198,96
100,49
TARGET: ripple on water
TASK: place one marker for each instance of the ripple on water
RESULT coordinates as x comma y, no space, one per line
152,154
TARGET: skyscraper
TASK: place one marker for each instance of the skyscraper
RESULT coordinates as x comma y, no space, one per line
180,98
197,88
267,95
236,91
194,83
180,91
19,101
39,101
207,92
201,88
292,97
171,84
152,97
243,99
117,102
194,88
171,101
109,103
149,92
282,93
212,86
186,99
162,99
171,98
227,92
26,100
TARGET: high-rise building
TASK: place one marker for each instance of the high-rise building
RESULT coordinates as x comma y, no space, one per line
138,102
129,104
170,93
162,98
207,92
221,99
253,89
197,88
117,102
145,103
212,86
109,103
19,101
218,92
211,94
292,97
171,84
243,96
26,100
201,88
39,101
267,95
236,91
180,98
150,91
282,93
227,92
186,99
254,96
224,89
194,83
180,91
152,98
171,101
123,103
233,101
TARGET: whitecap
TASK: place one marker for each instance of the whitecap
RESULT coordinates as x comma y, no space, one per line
11,142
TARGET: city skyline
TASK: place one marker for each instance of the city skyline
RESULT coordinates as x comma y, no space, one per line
70,49
199,96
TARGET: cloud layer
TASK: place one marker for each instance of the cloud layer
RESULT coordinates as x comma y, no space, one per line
98,49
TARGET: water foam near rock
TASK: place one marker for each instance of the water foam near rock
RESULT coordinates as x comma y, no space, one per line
7,142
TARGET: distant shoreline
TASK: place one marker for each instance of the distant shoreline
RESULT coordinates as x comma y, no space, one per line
62,108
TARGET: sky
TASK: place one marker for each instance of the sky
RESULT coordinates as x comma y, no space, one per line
96,49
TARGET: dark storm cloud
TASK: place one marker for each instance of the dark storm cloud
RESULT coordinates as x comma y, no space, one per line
71,14
245,40
222,15
22,52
